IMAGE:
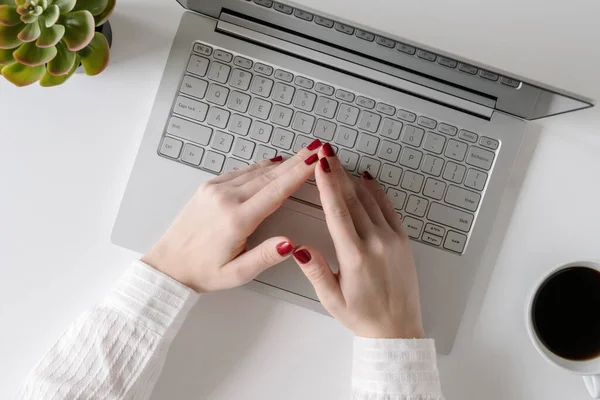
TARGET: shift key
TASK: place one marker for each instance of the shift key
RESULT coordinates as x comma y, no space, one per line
189,131
450,217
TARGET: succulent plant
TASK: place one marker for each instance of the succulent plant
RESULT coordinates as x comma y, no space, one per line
47,40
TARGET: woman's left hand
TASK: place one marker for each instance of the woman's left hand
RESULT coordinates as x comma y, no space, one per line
205,248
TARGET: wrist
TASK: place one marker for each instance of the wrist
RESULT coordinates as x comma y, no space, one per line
159,258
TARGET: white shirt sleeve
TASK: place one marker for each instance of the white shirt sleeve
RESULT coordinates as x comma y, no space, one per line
117,350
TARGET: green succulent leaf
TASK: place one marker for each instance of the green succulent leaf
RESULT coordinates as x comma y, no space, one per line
44,4
65,6
22,10
49,80
30,33
51,15
96,55
9,15
29,18
8,2
79,27
6,57
50,36
94,6
63,62
105,15
31,55
9,36
17,2
23,75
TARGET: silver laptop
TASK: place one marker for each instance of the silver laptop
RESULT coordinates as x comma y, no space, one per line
248,80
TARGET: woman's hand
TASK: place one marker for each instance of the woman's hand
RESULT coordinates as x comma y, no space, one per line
375,293
205,248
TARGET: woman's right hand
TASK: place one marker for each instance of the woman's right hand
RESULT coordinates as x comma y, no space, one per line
375,294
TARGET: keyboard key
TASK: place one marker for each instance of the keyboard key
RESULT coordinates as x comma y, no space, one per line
390,174
447,62
386,109
305,100
243,62
325,130
261,131
218,117
489,143
282,115
303,123
462,198
364,35
198,65
407,116
304,82
469,69
391,128
219,72
240,79
348,30
411,158
284,75
454,172
233,164
397,197
326,107
282,139
367,144
348,159
369,165
283,93
344,95
413,227
324,89
223,56
190,108
435,230
327,23
434,143
432,239
260,108
389,151
476,179
192,154
243,148
283,8
213,161
509,82
455,242
480,158
301,142
306,16
217,94
264,153
412,181
434,189
468,136
385,42
432,165
447,129
365,102
369,121
488,75
451,217
427,122
263,69
346,137
264,3
261,86
170,147
239,124
412,135
405,48
193,86
203,49
456,150
238,101
348,114
426,55
416,205
189,131
221,141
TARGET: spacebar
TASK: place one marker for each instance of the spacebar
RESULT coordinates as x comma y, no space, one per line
308,194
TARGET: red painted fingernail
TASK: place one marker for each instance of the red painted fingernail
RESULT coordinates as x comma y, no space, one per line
328,150
325,165
312,159
366,175
315,144
284,248
276,159
302,256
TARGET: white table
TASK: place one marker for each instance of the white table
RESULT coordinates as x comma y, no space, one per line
67,153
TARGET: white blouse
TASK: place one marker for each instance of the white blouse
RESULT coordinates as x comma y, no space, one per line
117,349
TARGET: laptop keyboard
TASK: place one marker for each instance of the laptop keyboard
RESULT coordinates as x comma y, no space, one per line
232,111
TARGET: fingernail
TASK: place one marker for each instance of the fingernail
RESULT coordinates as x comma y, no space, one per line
315,144
276,159
366,175
328,150
284,248
312,159
325,165
302,256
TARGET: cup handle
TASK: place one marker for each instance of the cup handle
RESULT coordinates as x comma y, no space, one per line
592,383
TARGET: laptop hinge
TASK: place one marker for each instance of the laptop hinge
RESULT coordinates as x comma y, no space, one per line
353,68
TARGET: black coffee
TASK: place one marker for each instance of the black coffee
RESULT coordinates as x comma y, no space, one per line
566,313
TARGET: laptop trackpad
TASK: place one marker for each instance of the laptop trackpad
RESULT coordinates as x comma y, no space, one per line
302,229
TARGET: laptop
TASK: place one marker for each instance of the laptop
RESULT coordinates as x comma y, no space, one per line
248,80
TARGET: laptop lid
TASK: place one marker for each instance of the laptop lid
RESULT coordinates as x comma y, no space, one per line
391,55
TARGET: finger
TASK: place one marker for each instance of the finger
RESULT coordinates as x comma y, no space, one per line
315,267
230,176
252,263
368,200
263,167
384,203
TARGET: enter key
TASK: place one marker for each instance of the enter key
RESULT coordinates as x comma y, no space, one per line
462,198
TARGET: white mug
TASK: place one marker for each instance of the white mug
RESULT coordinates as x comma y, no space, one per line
588,369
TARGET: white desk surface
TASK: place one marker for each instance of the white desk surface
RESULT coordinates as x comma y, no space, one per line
68,152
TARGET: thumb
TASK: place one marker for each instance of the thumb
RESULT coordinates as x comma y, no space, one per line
318,272
252,263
